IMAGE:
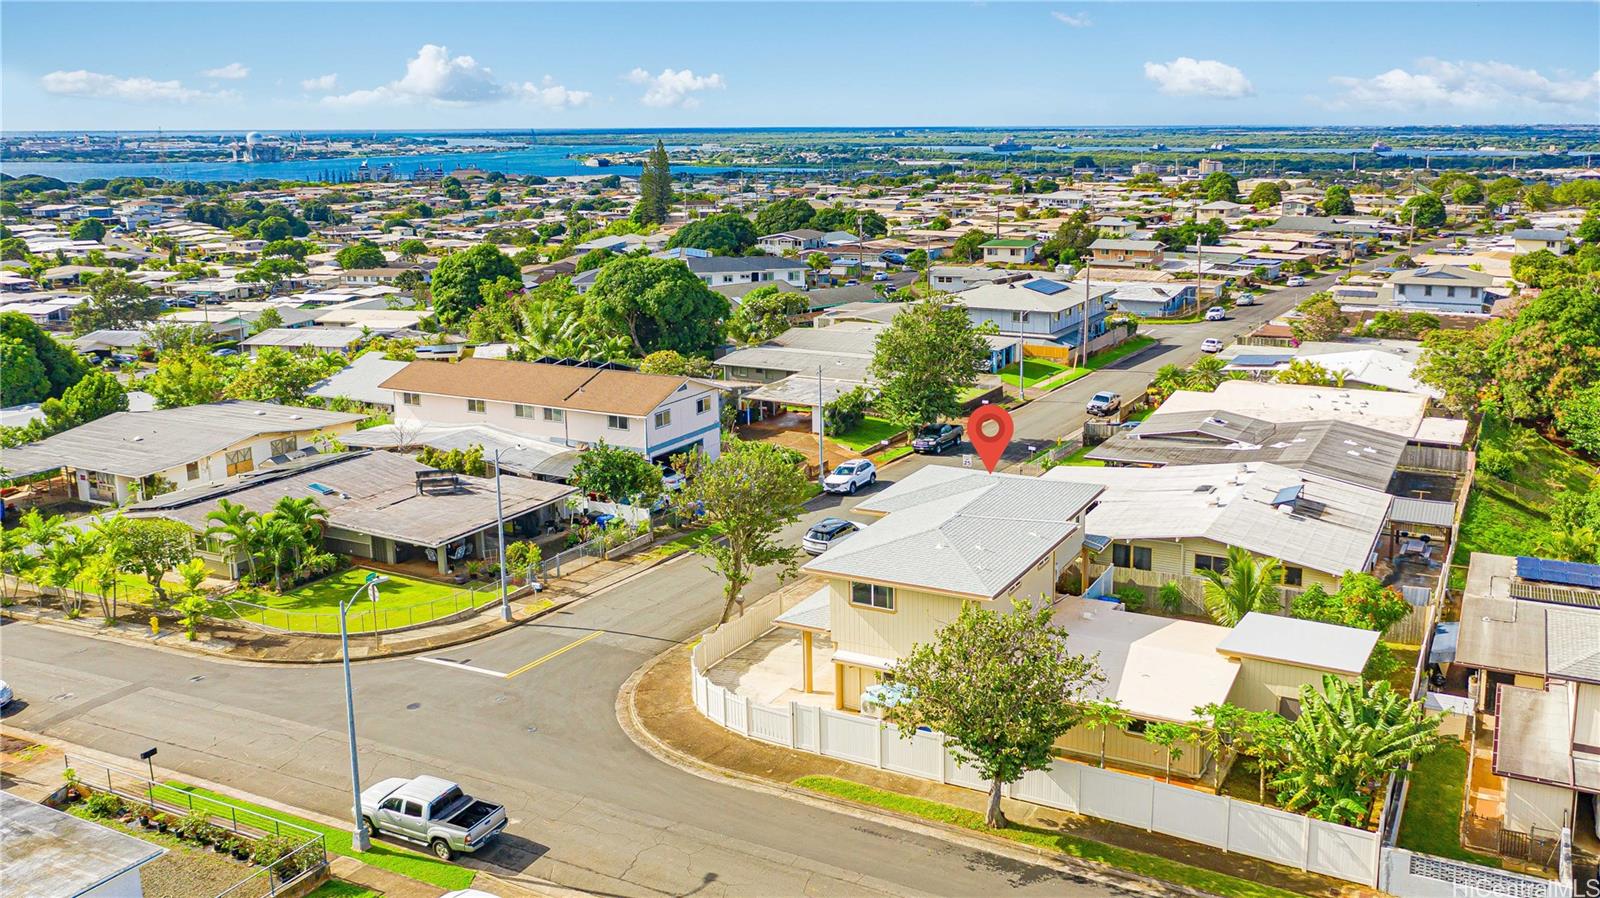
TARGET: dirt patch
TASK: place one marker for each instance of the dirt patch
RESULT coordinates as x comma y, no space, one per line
186,870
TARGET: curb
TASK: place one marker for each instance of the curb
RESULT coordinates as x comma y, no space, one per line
628,718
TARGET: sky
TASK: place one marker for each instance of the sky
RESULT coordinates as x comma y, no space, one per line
440,66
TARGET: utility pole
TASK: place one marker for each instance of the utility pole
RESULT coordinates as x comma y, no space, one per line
359,838
822,425
1083,318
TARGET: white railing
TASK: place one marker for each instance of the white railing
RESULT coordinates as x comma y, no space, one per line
1294,840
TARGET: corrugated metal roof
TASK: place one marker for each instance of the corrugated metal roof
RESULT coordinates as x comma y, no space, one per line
1422,511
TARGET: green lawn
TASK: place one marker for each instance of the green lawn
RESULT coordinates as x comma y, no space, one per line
1035,371
1047,375
314,607
338,841
1431,822
1134,861
870,432
1508,516
1101,359
338,888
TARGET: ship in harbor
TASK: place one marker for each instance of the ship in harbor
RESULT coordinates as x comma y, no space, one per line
1220,146
1379,146
1158,148
1010,145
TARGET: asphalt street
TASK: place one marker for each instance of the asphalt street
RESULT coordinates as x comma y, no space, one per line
527,718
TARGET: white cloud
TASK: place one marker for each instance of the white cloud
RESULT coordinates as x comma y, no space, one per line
1189,77
434,76
321,83
233,71
1468,85
100,86
1073,20
674,88
554,96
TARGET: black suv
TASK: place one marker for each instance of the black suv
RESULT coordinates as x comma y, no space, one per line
936,438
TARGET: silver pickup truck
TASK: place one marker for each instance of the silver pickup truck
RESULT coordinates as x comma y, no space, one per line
433,812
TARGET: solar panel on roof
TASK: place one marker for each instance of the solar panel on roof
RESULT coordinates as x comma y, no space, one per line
1096,542
1288,494
1567,573
1260,361
1047,287
322,488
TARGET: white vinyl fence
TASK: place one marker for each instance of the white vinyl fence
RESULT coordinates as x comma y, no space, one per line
1219,821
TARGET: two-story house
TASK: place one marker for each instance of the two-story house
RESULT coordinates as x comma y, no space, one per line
1040,310
126,456
655,415
1531,240
1442,288
1114,226
1010,251
1128,253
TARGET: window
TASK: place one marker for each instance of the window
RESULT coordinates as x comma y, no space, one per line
1137,557
522,411
1292,576
240,461
476,406
616,422
193,470
664,417
702,405
285,445
391,804
411,398
555,415
413,809
1450,291
1135,727
1211,563
869,595
1428,290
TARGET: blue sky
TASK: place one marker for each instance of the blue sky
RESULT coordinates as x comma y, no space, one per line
665,64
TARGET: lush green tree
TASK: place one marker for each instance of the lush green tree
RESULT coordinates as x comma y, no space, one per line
278,375
863,223
1578,419
917,260
293,249
940,222
764,313
1346,742
1246,585
966,247
726,234
1306,372
656,304
115,302
238,524
458,280
1266,194
986,660
1104,715
1072,238
784,215
411,249
924,359
1337,201
819,262
274,228
154,546
1469,193
1588,230
655,187
272,271
1425,210
88,229
1580,192
98,394
1361,601
1458,365
676,364
747,496
617,474
33,365
592,259
1170,737
1220,186
1319,319
188,376
22,376
1580,544
268,319
360,255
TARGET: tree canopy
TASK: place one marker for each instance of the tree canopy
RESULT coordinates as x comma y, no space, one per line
115,302
656,304
360,255
33,365
786,214
726,234
459,278
923,361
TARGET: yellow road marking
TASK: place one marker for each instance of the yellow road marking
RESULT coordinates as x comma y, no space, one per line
566,648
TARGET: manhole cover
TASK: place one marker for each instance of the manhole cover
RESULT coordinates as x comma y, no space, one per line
413,706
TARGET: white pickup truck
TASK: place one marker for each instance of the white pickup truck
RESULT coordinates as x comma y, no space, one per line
432,812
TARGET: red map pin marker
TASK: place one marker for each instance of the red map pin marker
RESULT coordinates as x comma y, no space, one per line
989,428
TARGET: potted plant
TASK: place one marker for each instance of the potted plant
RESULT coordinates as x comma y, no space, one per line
224,843
195,826
104,804
474,568
268,850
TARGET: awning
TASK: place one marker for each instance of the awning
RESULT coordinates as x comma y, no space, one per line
861,659
810,614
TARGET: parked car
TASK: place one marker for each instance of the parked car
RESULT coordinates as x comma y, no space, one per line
1296,281
1247,299
124,358
880,275
850,476
672,480
5,694
936,438
1216,313
1104,403
432,812
1211,344
224,352
826,532
892,257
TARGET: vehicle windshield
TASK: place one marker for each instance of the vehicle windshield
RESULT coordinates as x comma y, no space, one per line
848,467
930,430
1102,397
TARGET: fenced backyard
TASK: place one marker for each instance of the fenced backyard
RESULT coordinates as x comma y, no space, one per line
1218,821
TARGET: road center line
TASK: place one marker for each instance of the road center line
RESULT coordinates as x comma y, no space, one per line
566,648
457,665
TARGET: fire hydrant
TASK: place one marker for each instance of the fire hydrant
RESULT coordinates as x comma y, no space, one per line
155,625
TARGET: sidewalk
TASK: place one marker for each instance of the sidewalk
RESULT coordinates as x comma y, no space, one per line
32,767
660,705
244,643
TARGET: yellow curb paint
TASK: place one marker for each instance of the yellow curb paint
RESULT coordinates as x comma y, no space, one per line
566,648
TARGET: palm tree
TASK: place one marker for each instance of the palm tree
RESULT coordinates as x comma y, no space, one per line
306,514
15,560
1168,380
1247,585
63,565
42,531
279,540
1205,374
1569,544
239,524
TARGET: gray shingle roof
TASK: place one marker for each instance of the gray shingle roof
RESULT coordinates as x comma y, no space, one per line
1573,644
959,532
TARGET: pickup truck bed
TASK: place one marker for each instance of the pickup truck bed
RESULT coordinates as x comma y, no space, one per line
473,814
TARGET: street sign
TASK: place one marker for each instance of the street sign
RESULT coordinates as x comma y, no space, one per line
966,461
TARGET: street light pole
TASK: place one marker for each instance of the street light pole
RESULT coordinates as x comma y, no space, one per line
822,425
359,838
500,538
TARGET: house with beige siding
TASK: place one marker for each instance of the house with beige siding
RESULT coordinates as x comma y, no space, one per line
1163,524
